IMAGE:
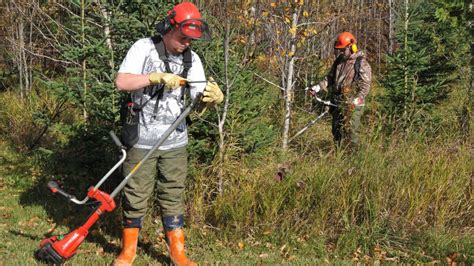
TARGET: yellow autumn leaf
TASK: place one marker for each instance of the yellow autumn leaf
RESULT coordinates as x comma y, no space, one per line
261,58
241,245
287,20
305,14
272,4
291,54
292,30
265,13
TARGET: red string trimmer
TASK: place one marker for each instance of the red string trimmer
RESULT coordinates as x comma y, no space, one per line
57,249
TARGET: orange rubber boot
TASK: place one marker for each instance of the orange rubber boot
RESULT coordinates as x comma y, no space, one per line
129,247
175,245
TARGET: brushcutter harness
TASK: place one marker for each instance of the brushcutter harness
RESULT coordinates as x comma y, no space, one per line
130,111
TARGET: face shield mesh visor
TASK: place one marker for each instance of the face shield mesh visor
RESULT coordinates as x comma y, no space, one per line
195,29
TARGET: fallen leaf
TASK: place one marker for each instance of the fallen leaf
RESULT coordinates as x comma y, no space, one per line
99,251
52,228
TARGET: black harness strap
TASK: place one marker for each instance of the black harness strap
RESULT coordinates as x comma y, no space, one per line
163,55
187,62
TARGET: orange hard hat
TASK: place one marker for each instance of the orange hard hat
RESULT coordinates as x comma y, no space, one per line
186,16
344,39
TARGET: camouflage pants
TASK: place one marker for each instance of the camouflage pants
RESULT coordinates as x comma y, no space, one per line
167,169
346,125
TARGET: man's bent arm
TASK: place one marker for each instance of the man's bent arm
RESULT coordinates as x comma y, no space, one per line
131,82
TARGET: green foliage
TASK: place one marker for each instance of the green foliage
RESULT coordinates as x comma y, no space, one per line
26,122
84,43
248,130
423,71
409,90
131,20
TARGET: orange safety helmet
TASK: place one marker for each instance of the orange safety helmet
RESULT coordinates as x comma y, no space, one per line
186,16
344,39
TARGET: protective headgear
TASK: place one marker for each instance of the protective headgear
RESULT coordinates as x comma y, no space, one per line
187,18
345,39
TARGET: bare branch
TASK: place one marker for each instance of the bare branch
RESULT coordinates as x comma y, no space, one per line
269,81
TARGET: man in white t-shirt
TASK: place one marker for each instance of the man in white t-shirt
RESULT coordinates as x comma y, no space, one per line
145,72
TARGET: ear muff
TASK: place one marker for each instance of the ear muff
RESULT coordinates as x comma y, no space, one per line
354,48
165,25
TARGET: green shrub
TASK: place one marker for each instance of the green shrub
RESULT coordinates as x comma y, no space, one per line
28,122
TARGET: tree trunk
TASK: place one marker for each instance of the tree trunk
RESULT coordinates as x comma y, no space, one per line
222,118
289,92
391,26
84,69
405,46
21,46
108,41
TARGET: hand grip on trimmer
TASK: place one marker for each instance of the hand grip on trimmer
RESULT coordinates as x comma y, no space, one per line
116,139
185,82
54,187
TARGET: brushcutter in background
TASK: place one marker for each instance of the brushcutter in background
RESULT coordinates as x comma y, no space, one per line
283,168
313,90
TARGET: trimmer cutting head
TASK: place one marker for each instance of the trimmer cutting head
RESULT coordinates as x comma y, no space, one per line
47,254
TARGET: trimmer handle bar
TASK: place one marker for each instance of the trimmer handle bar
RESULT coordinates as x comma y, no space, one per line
117,140
54,187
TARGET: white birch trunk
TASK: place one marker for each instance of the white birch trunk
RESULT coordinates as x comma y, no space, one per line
21,46
108,41
289,92
222,118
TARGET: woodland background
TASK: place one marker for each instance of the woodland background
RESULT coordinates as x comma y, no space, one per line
404,196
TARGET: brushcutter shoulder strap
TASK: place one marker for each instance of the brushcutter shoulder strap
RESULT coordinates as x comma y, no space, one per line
163,55
130,111
187,62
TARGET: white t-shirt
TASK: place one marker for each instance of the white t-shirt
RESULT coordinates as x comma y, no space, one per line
142,58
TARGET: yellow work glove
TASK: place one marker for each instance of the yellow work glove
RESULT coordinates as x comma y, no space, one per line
171,81
212,94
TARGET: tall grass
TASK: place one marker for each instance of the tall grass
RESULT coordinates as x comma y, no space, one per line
412,197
